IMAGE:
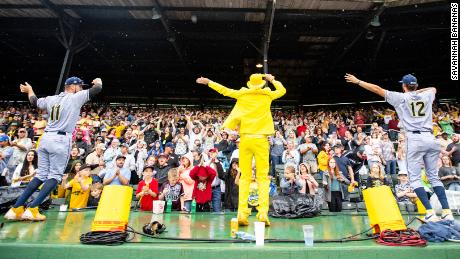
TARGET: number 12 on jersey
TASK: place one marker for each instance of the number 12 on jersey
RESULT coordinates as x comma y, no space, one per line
417,108
55,112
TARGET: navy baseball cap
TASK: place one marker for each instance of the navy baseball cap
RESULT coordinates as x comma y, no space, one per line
74,81
4,138
409,80
169,144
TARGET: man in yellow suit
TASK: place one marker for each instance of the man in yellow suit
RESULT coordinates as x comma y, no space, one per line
253,117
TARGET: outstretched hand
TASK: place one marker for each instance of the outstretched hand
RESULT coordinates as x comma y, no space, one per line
351,79
25,88
202,80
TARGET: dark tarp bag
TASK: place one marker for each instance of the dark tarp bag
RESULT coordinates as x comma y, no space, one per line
297,205
9,195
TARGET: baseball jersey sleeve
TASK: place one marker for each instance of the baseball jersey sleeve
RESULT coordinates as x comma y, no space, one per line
431,96
81,97
41,103
394,98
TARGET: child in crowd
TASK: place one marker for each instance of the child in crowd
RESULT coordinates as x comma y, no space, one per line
202,192
147,189
334,182
404,192
231,187
309,184
173,190
74,168
95,194
80,185
184,178
376,176
290,184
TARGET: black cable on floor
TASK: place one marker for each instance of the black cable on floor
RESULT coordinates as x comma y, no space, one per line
104,238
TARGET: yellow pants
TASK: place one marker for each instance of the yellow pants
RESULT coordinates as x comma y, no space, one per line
257,147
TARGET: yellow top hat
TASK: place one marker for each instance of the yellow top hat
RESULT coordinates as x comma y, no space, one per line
256,81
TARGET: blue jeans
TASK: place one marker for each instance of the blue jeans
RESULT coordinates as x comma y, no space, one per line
454,187
276,160
216,199
390,167
188,205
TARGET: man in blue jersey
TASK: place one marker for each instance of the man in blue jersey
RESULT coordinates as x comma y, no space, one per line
414,108
55,145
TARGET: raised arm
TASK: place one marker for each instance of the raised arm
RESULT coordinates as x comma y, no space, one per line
96,88
30,93
280,90
219,88
368,86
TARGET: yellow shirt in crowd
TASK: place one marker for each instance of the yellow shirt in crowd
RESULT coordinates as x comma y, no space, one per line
79,198
323,159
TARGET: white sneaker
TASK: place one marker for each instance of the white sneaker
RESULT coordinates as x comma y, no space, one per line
430,218
33,214
447,216
14,213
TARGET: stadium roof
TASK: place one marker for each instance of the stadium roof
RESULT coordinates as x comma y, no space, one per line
152,50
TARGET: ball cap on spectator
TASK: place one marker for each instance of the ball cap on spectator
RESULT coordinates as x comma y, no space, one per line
74,81
4,138
149,166
402,173
212,150
84,166
101,146
169,144
409,80
120,156
125,145
163,155
338,146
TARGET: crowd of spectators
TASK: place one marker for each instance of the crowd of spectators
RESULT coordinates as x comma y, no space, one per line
181,155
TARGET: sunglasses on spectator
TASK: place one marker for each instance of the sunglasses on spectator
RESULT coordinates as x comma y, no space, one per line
22,131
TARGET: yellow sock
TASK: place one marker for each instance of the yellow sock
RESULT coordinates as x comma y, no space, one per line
446,211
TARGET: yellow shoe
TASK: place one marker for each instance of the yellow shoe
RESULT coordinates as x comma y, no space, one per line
14,213
263,217
33,214
243,215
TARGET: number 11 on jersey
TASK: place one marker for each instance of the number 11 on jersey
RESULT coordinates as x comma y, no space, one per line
55,112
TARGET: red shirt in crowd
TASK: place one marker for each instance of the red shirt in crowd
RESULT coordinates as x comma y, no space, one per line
341,130
147,200
359,119
202,192
393,124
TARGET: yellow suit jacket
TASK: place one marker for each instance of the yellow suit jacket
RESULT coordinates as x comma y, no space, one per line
252,109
